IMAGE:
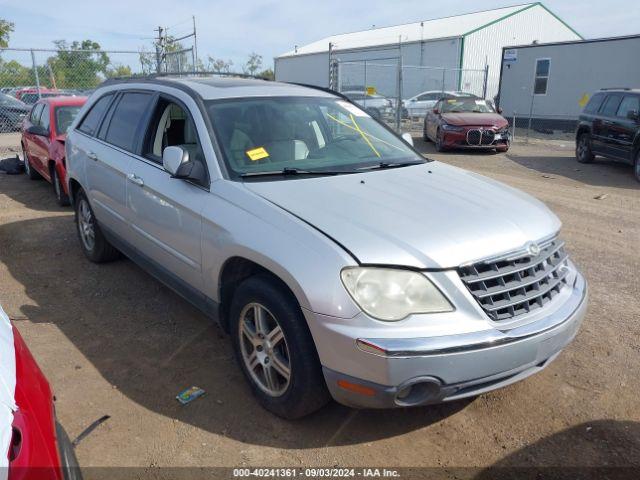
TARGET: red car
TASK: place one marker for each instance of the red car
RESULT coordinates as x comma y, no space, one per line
43,135
33,445
30,95
466,122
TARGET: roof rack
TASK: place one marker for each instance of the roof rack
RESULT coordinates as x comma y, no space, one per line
616,88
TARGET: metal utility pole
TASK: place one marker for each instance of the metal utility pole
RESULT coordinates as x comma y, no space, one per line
195,44
159,48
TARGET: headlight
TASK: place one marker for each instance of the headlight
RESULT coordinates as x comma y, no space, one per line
393,294
452,128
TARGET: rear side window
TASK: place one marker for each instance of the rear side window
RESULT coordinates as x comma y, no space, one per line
594,103
630,103
126,119
611,105
91,120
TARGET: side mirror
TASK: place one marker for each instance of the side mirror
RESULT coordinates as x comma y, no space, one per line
633,115
412,100
436,111
38,130
499,110
173,158
408,138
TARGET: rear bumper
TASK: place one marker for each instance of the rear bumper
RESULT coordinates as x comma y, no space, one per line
421,371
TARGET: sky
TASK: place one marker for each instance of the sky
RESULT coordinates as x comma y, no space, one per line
232,29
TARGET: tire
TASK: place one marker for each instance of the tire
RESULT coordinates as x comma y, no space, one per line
28,169
304,391
68,461
425,137
61,197
583,149
636,166
439,146
92,241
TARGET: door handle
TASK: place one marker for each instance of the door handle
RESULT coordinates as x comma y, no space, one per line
92,156
133,178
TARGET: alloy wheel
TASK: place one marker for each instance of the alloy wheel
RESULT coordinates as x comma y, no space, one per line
86,225
27,167
264,349
56,185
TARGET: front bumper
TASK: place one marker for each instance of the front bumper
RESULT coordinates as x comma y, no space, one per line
461,139
420,371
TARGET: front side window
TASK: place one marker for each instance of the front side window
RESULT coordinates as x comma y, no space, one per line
541,80
91,120
306,133
172,126
45,117
36,111
65,116
126,119
630,103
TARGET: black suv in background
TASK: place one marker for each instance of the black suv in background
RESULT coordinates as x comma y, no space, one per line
610,126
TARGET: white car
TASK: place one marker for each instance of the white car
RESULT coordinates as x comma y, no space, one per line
375,105
419,105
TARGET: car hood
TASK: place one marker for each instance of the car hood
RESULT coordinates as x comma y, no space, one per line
7,388
475,119
426,216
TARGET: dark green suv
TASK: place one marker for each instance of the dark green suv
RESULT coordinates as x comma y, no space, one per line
610,126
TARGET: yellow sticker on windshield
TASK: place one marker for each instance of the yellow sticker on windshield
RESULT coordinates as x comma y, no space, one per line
452,101
256,154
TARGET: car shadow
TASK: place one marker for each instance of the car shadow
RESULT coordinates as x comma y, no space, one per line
594,450
601,173
33,194
150,344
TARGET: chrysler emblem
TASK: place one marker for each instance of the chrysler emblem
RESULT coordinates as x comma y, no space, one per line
533,249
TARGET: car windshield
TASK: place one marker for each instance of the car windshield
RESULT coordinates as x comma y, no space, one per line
303,133
466,105
9,101
65,116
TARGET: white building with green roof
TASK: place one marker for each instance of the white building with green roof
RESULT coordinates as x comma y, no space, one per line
452,51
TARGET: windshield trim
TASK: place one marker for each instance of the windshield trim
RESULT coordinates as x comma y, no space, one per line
230,174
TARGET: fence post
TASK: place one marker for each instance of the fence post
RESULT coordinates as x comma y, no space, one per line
399,99
444,73
486,79
35,72
533,96
513,127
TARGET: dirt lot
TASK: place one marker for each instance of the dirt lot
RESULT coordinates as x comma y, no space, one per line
114,341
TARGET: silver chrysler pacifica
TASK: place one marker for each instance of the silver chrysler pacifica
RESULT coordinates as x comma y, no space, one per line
340,261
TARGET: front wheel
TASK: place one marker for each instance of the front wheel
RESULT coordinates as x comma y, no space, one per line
584,154
275,349
440,141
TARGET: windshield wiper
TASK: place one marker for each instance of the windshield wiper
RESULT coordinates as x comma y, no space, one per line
294,171
384,165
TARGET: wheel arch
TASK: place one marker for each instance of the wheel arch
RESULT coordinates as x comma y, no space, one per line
74,188
234,271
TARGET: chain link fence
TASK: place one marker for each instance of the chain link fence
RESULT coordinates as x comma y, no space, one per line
26,75
525,127
401,94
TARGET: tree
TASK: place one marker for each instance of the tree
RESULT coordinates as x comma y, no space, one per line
253,65
5,30
267,74
119,71
218,65
78,65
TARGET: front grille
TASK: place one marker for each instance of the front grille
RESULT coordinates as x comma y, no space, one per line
478,137
516,285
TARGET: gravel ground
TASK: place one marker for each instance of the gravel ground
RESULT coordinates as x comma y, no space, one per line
113,341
